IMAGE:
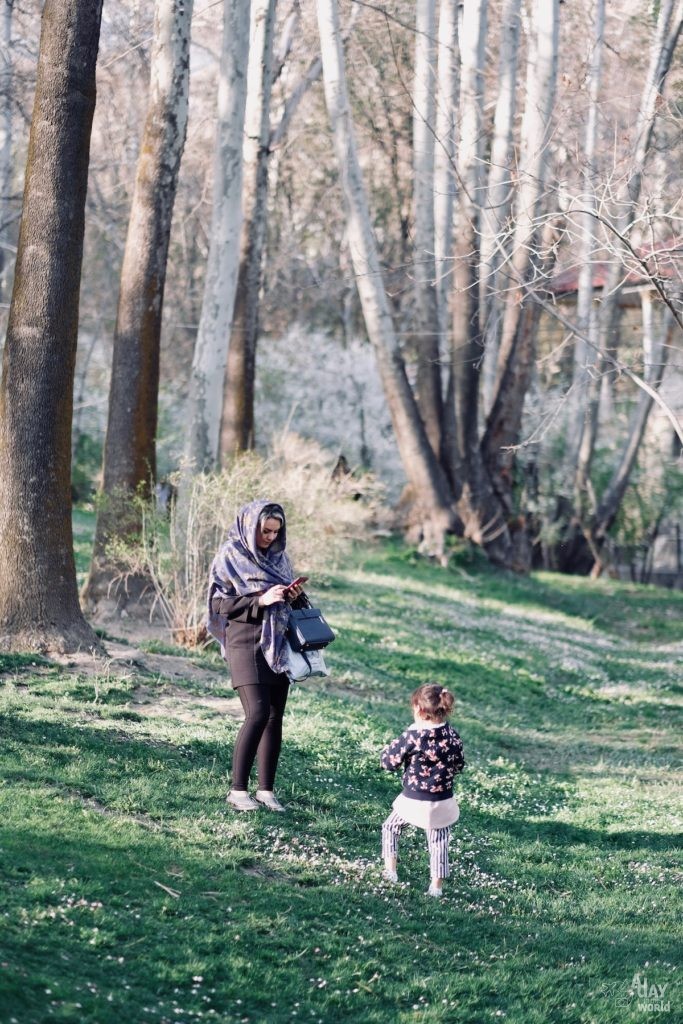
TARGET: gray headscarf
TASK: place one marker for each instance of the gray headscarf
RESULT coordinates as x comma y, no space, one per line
242,568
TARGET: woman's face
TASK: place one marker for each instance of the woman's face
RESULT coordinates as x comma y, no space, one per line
267,532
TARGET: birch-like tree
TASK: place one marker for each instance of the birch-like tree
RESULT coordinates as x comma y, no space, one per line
237,430
220,283
430,486
517,350
39,606
499,194
426,327
130,445
445,185
585,318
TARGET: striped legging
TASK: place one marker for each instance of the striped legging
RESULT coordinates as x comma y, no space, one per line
437,843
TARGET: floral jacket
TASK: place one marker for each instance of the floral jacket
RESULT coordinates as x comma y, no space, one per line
430,758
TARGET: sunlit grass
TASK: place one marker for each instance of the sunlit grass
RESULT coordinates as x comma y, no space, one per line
133,893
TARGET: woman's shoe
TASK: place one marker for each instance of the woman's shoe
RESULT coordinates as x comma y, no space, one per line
241,801
389,876
269,800
433,891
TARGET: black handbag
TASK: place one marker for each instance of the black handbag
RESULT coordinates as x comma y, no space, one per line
307,629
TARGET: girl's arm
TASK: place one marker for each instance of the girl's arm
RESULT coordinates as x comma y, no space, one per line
396,753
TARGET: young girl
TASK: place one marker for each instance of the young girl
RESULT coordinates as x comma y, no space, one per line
430,752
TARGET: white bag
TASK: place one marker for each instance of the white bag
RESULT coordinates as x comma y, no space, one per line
300,665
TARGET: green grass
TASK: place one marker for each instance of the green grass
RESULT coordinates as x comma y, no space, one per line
131,893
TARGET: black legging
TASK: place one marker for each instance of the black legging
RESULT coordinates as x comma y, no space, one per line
261,734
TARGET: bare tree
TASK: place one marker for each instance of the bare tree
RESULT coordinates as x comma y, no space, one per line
237,430
518,341
445,185
130,445
429,483
499,194
668,28
427,326
585,317
38,594
211,347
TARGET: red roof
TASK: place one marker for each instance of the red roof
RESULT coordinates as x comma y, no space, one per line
664,261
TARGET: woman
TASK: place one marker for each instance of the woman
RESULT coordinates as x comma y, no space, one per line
249,593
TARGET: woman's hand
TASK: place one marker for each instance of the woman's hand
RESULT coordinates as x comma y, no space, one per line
273,596
293,592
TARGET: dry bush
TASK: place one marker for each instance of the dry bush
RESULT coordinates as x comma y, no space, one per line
326,511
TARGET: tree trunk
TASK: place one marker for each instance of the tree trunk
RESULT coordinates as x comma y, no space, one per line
518,349
428,482
541,79
479,510
428,375
237,430
585,315
211,347
7,100
499,192
39,606
444,160
130,445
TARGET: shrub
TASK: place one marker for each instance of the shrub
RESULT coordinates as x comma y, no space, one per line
326,510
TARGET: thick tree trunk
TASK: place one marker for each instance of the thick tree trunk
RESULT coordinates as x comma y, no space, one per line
130,445
518,348
39,606
6,102
480,512
237,430
430,487
428,375
211,347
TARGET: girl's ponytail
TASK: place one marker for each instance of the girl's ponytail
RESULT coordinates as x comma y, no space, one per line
433,701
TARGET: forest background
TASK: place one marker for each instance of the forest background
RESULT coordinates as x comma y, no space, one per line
440,240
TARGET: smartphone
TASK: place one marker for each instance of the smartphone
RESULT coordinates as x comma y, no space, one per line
297,582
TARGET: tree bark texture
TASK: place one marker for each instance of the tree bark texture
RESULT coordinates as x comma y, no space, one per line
130,444
39,606
220,284
237,430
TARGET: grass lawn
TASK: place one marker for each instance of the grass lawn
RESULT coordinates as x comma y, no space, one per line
132,893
